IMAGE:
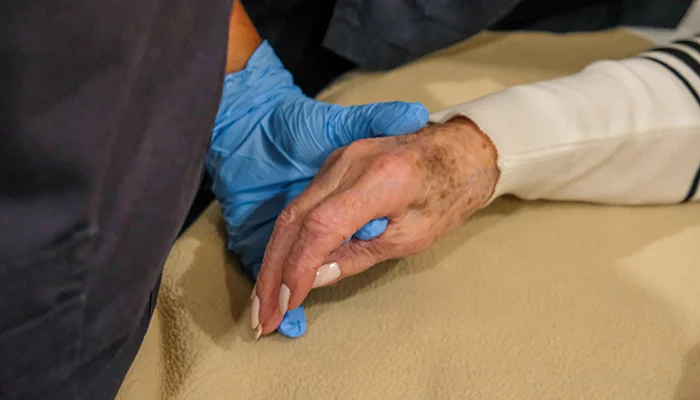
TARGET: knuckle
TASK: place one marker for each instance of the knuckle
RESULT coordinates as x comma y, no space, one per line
397,164
347,205
319,222
357,147
295,262
288,216
336,154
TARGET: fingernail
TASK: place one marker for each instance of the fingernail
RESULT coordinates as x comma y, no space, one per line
254,290
258,332
327,274
255,313
284,298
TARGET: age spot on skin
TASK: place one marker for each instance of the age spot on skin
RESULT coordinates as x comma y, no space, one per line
403,140
440,174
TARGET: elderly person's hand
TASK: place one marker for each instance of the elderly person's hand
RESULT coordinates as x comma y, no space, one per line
425,183
270,140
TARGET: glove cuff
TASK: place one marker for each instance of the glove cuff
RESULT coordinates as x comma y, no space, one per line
263,79
247,97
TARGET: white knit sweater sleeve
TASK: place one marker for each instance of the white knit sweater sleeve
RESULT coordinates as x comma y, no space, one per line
621,132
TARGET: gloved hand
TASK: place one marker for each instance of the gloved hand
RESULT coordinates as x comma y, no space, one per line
270,140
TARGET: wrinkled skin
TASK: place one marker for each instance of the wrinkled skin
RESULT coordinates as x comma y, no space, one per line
426,183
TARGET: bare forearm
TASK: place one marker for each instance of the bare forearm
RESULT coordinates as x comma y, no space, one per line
243,39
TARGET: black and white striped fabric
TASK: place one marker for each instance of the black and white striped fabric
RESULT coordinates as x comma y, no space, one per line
617,132
682,59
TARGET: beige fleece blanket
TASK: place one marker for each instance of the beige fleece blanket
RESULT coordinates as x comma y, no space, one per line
525,301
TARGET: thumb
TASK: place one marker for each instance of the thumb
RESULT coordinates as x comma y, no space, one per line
382,119
350,259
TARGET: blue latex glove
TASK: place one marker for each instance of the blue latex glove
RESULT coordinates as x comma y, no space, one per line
270,140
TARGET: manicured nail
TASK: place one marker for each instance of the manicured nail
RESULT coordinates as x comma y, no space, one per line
327,274
255,313
258,332
284,298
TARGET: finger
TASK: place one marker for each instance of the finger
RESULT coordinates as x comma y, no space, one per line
273,322
330,271
286,228
330,161
355,256
328,224
405,236
267,315
351,258
379,119
285,231
387,122
250,244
